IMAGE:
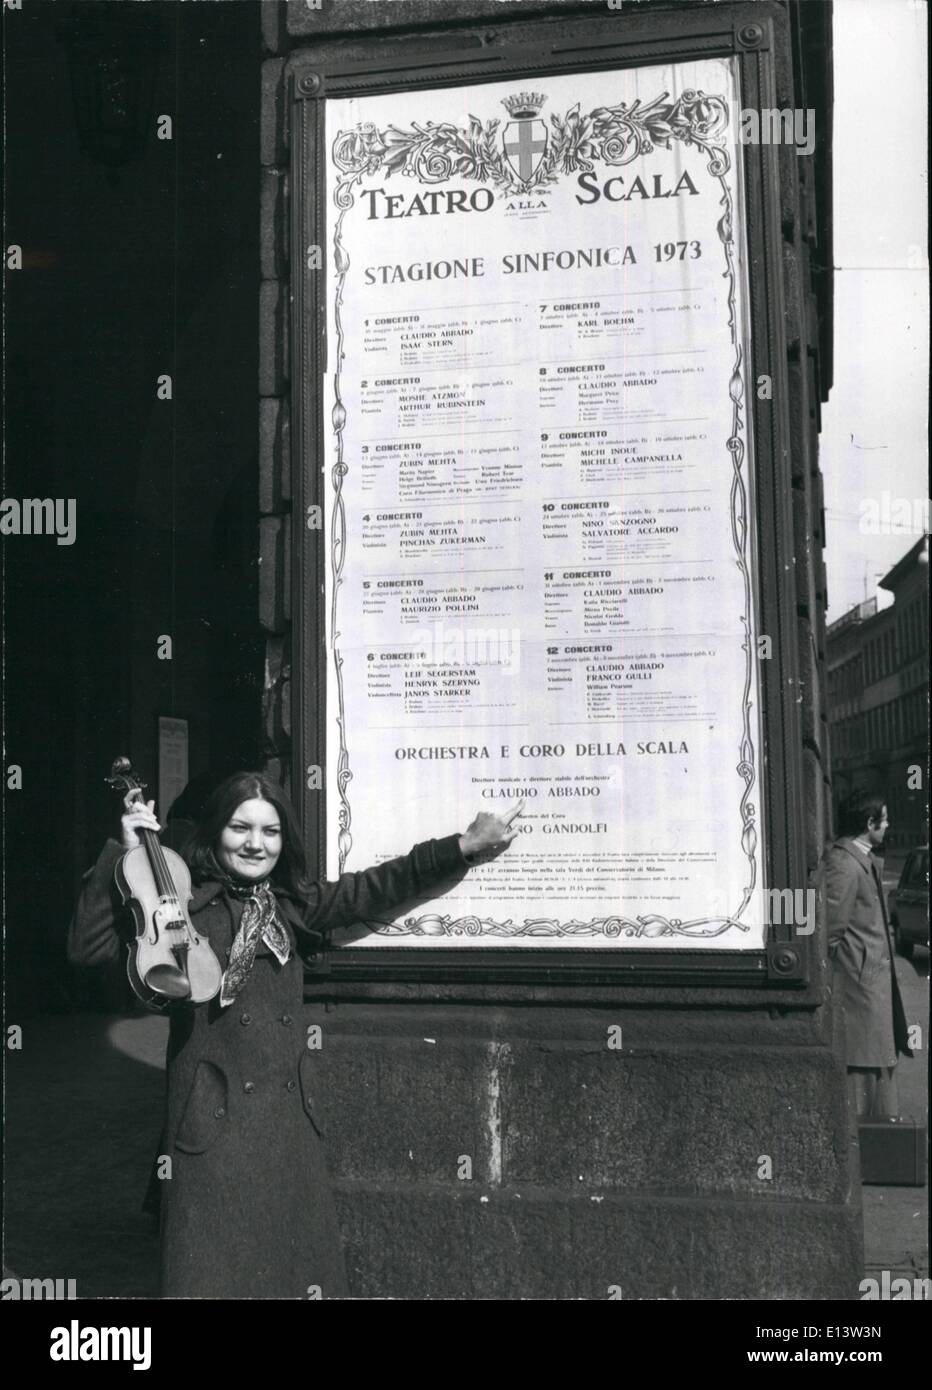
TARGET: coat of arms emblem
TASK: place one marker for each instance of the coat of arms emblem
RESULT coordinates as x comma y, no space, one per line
524,137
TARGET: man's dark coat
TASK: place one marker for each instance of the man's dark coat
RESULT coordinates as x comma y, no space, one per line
859,943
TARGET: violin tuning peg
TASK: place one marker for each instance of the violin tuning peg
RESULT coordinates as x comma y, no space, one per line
122,776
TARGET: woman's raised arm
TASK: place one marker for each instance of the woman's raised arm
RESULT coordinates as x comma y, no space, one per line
372,894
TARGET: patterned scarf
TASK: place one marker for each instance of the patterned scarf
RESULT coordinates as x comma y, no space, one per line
260,920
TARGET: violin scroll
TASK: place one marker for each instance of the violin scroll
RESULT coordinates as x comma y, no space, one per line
123,778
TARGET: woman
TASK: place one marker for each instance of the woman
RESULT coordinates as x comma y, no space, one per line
247,1210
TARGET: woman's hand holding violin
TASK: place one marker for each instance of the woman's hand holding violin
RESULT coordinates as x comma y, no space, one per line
489,835
139,815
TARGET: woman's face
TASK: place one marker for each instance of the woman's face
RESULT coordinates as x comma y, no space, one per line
251,841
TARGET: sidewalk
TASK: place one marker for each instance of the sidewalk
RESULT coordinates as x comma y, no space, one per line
896,1226
82,1116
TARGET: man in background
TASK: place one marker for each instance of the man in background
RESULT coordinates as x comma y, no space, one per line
860,946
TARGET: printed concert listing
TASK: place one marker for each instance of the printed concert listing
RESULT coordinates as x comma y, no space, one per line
539,505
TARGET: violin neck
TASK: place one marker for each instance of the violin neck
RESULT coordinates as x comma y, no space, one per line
157,862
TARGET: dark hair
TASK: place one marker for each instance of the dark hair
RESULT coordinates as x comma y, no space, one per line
189,805
860,808
291,870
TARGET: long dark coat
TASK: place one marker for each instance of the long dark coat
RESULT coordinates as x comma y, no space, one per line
248,1211
859,943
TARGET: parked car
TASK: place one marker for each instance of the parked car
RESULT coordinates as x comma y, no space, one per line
909,903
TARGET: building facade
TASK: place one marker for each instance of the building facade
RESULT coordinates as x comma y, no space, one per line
711,1157
878,692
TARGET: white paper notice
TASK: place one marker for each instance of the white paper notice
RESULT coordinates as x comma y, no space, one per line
540,506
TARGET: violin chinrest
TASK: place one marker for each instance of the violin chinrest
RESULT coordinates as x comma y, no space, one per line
168,980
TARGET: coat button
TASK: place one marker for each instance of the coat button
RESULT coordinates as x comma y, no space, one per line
287,1019
245,1018
290,1085
249,1087
220,1112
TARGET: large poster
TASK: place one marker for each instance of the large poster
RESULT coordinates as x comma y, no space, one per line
539,519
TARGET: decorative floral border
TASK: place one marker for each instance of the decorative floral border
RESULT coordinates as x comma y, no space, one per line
652,925
433,153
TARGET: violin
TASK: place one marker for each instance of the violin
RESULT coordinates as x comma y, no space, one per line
168,959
